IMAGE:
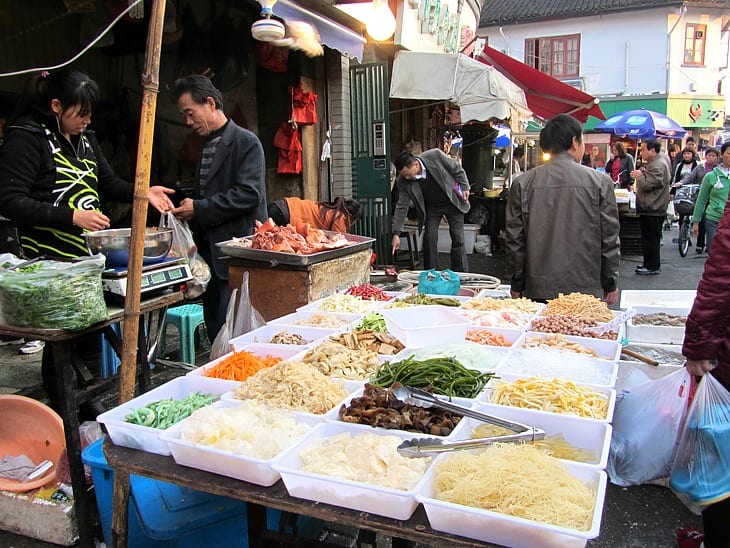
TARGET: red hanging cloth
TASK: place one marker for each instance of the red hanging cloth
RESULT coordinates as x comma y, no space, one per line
304,106
287,141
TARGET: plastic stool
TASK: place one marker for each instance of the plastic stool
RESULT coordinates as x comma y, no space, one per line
187,318
410,236
109,360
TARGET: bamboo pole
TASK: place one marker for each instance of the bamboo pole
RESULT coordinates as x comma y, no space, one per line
150,83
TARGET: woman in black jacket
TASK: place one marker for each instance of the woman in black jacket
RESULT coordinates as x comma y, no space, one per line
620,166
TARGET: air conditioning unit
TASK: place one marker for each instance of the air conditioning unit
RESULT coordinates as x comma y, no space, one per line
578,83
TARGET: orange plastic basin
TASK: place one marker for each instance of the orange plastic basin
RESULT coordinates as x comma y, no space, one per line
29,427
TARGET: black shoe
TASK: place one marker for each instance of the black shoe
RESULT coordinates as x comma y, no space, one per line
699,250
647,272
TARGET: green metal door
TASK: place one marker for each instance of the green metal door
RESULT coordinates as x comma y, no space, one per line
371,153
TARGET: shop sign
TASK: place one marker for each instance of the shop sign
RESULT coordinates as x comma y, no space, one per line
693,112
437,19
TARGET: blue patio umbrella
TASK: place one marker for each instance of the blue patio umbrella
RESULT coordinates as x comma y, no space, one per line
642,124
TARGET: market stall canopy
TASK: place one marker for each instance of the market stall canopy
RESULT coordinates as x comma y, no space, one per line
331,33
480,91
546,96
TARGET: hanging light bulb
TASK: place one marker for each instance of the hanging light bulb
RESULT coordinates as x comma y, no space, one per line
267,29
381,23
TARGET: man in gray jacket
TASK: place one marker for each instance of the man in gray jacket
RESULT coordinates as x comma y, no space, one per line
230,192
438,187
562,223
653,181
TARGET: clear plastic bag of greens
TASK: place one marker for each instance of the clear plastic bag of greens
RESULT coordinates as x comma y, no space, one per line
48,294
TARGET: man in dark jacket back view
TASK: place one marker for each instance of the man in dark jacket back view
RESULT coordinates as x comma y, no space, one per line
230,193
562,223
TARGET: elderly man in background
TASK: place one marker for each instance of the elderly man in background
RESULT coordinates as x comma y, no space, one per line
230,192
562,223
652,197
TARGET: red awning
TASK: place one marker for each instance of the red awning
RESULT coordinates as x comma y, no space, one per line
546,96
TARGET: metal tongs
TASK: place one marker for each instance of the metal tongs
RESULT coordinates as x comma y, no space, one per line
424,447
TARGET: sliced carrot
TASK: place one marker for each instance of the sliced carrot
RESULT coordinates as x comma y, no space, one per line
240,365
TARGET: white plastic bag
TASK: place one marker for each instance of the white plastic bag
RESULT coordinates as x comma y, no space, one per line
183,245
646,426
241,317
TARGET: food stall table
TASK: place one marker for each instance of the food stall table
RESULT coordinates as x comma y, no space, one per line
126,461
68,366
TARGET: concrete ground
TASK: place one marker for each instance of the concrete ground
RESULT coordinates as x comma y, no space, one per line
644,516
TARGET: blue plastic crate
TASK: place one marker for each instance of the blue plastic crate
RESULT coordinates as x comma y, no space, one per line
165,515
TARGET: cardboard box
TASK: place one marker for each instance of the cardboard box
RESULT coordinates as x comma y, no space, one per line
46,520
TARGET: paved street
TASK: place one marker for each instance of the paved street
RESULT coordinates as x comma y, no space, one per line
645,516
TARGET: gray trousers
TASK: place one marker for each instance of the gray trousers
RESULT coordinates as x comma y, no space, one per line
455,218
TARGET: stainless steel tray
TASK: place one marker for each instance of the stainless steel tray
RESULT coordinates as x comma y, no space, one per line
357,243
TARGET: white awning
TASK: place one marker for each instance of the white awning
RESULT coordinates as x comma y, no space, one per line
480,90
331,33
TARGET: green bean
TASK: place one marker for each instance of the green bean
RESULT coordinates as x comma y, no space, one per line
446,376
162,414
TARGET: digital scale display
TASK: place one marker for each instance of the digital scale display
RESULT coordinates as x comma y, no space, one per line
152,279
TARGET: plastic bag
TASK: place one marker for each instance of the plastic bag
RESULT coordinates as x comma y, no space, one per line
702,466
184,246
51,294
241,317
434,282
646,427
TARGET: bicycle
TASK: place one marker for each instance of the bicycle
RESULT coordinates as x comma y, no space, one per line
684,204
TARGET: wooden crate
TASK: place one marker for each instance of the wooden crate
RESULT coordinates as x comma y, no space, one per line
277,290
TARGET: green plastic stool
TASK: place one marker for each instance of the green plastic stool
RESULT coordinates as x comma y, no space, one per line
187,318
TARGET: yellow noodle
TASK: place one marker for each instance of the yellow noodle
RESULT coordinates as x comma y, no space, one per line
517,480
578,305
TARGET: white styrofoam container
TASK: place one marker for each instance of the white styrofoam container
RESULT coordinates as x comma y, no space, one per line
489,526
512,336
364,497
657,334
605,349
609,393
588,435
335,416
294,317
146,438
444,238
679,298
263,334
579,368
417,326
285,352
247,468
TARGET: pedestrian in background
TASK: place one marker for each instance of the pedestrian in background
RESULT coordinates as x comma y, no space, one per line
707,349
230,192
620,166
652,198
712,197
438,187
337,216
562,222
712,155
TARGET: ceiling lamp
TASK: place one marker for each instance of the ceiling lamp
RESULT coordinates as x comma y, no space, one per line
267,29
381,23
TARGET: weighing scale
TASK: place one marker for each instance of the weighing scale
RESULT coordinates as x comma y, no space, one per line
155,277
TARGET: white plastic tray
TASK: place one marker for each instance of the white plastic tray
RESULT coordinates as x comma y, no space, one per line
658,297
262,335
610,394
507,530
513,336
572,366
589,435
294,317
242,467
146,438
364,497
285,352
470,354
417,326
367,306
605,349
656,334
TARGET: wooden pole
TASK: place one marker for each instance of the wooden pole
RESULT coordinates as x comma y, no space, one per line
150,83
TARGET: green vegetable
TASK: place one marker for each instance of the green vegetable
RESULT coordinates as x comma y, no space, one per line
54,295
163,414
446,376
374,321
421,299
